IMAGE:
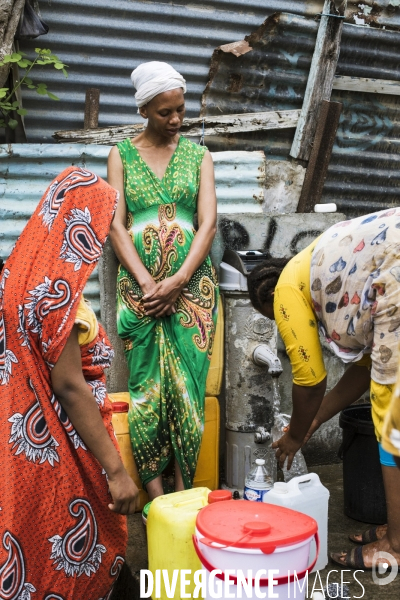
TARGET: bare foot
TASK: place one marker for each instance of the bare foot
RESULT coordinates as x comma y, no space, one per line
370,535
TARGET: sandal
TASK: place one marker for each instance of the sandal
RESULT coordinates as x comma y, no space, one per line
368,536
353,559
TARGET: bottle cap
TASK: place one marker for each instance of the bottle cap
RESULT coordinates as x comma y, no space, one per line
219,496
260,461
280,487
120,407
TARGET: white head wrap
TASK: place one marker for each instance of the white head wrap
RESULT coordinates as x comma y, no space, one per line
153,78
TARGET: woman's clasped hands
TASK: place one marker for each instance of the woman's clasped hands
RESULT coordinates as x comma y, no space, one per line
159,299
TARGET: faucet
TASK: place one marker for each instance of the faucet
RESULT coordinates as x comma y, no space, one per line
263,356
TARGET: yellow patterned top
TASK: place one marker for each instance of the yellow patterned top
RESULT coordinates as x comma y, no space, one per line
298,327
296,320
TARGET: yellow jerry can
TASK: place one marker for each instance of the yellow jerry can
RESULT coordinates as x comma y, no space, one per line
214,377
121,428
207,472
170,525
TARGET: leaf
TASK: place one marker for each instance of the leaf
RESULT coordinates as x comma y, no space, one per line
3,93
28,80
41,62
59,66
22,112
52,96
15,57
32,87
41,91
42,86
15,104
12,123
65,73
24,63
6,59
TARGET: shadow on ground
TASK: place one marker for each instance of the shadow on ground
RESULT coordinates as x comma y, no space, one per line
339,528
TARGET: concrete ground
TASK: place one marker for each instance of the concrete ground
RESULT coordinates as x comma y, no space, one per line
338,530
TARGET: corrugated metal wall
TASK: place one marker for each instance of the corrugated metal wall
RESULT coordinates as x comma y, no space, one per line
103,40
364,171
27,169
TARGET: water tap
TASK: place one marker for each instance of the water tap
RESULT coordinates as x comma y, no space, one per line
263,356
261,435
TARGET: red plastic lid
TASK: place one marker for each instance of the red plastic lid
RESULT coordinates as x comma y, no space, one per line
219,496
120,407
245,524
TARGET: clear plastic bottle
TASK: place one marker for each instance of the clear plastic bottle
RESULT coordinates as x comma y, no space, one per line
258,482
299,466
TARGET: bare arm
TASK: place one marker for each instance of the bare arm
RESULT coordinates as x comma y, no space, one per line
354,383
121,241
74,395
160,300
306,402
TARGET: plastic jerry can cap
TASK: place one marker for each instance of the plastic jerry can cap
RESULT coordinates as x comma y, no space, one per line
219,496
280,487
260,461
120,407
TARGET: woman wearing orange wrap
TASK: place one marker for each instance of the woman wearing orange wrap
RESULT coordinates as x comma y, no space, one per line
63,486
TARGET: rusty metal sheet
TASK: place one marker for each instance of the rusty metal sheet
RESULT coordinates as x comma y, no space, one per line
363,175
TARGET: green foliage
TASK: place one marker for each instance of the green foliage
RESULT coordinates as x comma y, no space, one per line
7,106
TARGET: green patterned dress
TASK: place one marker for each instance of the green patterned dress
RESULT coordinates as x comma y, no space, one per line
169,357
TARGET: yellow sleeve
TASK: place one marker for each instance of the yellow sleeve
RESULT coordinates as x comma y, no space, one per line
87,323
298,328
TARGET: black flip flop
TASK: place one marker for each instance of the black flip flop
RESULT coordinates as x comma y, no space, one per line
367,537
353,559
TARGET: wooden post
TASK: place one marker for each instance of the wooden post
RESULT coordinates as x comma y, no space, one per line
320,156
320,80
92,108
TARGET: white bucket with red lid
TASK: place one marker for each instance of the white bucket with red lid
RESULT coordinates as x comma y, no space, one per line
271,541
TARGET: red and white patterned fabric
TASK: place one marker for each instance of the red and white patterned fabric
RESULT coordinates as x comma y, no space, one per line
58,538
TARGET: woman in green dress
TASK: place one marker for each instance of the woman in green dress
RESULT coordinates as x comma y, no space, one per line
167,291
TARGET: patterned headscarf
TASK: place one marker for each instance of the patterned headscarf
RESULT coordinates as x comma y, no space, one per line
51,262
